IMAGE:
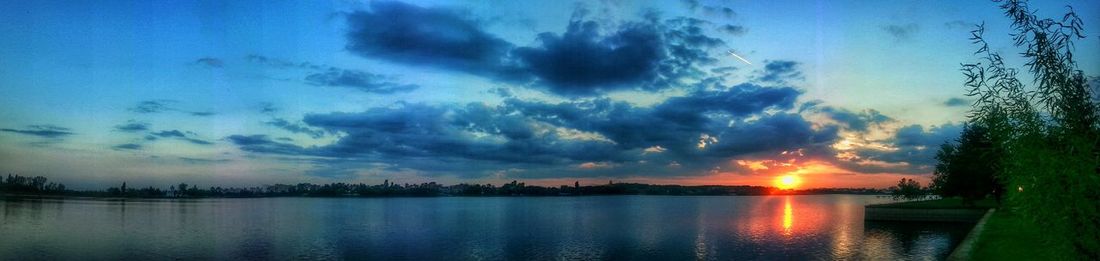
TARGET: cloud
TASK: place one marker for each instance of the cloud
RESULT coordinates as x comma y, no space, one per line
323,75
159,106
295,128
438,37
647,55
691,4
780,71
127,146
856,121
912,150
178,135
582,61
210,62
44,131
588,58
363,81
169,134
263,144
958,24
725,12
474,138
956,102
202,160
901,32
268,108
132,126
282,64
152,106
735,30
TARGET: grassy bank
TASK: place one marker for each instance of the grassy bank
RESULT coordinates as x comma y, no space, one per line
948,203
1008,236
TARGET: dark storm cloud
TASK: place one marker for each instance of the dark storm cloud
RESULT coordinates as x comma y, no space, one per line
363,81
132,126
44,131
956,102
901,32
780,71
295,128
127,146
439,37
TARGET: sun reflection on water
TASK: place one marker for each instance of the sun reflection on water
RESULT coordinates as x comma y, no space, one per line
788,216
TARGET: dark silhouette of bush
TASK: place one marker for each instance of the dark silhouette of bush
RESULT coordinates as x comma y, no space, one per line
908,189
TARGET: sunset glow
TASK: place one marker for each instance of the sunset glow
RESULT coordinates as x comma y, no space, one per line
788,181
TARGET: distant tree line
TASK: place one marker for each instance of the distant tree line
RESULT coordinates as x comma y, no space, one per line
32,186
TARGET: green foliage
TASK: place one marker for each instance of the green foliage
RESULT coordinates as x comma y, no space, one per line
970,169
1008,236
1048,133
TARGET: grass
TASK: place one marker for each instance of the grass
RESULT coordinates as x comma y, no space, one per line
1008,236
948,203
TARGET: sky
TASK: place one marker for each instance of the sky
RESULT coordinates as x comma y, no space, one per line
244,93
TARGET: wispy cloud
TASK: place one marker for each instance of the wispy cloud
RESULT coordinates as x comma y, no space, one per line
903,32
164,105
132,126
956,102
176,134
210,62
44,131
127,146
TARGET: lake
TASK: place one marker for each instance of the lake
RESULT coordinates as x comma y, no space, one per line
468,228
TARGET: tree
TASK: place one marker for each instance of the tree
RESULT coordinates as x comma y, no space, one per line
908,189
970,169
1049,133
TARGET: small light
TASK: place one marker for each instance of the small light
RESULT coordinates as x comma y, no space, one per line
1020,188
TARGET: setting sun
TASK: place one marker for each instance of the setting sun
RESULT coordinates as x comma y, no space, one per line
787,181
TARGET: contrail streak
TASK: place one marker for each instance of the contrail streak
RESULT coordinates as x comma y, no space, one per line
739,57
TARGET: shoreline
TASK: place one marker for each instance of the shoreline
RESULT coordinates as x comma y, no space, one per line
5,196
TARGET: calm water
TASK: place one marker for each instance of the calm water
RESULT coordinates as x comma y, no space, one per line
517,228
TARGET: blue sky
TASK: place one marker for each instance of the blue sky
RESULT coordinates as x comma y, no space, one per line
844,93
